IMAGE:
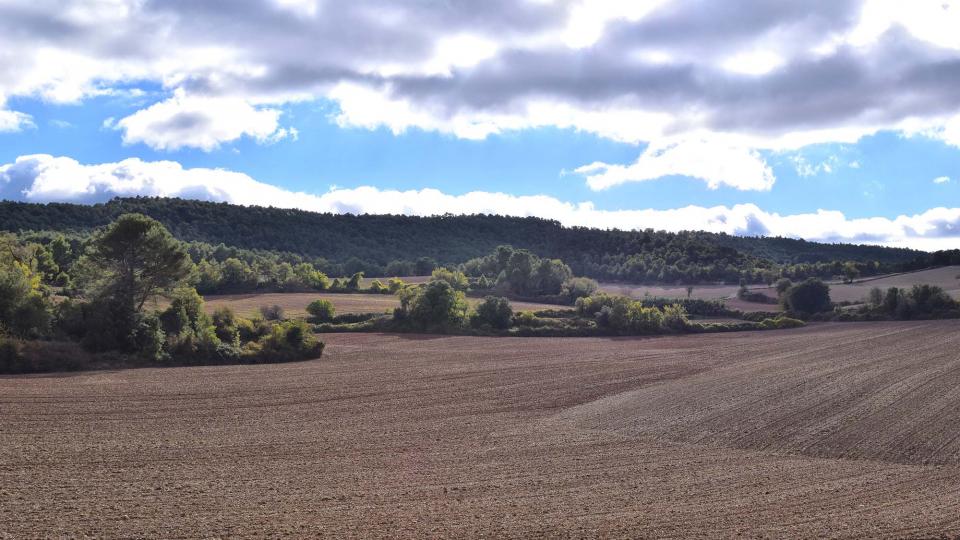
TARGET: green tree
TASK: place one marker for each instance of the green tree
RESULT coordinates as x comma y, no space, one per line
137,258
435,305
493,311
809,296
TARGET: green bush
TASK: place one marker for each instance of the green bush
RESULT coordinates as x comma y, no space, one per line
454,278
674,317
435,305
321,310
494,312
578,287
808,297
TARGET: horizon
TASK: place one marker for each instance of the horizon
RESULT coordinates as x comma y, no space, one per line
833,122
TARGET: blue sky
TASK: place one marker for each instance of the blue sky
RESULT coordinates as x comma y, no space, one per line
833,121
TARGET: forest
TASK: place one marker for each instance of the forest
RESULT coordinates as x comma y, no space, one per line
392,245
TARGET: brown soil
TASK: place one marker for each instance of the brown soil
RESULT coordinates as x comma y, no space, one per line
837,430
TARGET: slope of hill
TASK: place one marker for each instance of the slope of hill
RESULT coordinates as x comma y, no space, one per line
378,239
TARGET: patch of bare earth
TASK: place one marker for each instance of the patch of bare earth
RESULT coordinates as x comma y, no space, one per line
830,430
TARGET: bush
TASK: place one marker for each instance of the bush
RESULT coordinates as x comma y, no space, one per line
377,287
783,285
394,285
226,327
272,313
353,283
433,305
578,287
287,341
674,317
321,310
494,312
808,297
455,279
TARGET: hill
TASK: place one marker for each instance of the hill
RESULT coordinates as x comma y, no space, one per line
371,242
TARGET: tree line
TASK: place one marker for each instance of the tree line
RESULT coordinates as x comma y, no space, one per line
114,277
389,245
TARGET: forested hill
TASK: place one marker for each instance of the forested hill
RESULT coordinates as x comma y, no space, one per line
372,241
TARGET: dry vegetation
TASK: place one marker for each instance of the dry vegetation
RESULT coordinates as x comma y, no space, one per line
295,304
846,430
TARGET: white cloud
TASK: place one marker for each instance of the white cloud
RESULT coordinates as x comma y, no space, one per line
45,178
715,161
200,122
14,121
941,180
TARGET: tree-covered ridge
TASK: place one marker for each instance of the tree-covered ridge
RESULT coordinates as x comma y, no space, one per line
378,245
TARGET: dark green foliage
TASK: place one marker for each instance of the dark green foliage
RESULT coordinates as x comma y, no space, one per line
918,302
808,297
434,306
368,243
521,272
136,258
494,312
321,310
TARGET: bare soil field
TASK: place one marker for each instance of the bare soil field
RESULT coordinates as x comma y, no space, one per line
295,304
834,430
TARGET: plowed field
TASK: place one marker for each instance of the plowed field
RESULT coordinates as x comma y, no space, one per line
839,430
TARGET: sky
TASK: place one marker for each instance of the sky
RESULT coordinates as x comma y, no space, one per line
830,120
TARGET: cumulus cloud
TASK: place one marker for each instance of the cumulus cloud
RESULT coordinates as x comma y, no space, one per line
44,178
715,162
14,121
941,180
777,75
200,122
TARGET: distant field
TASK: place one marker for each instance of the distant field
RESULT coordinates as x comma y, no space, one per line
945,277
295,304
833,430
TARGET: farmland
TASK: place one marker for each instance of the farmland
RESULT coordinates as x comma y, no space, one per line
836,430
295,304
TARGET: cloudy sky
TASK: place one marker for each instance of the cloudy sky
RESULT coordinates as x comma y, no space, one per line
831,120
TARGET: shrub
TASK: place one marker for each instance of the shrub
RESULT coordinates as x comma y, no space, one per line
377,287
394,285
674,317
493,311
783,285
455,279
434,305
354,282
272,313
286,341
226,327
578,287
321,310
808,297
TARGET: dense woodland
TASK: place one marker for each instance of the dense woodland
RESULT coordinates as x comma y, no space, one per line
344,244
